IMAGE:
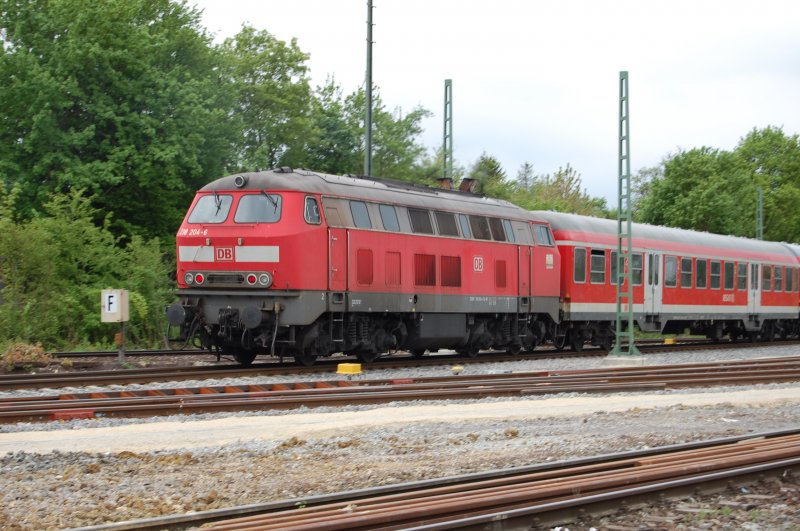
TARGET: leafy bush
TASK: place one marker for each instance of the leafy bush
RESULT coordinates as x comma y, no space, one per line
20,355
54,266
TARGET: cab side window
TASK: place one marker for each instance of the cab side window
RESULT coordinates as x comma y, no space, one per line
311,212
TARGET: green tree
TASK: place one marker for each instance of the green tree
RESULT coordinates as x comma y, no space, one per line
335,140
560,191
490,178
701,189
121,98
273,99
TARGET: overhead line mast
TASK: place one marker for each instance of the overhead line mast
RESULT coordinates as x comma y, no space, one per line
368,117
624,264
447,143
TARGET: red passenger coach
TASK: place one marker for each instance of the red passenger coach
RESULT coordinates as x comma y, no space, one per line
303,264
707,283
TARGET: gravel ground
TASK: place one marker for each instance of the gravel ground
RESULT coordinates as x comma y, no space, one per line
58,490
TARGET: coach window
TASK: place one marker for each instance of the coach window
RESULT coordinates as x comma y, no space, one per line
597,267
447,224
258,208
741,276
211,208
464,223
509,230
389,218
579,265
360,215
636,269
701,278
754,277
311,212
420,221
496,227
778,278
789,279
716,274
686,272
480,228
670,271
766,277
729,270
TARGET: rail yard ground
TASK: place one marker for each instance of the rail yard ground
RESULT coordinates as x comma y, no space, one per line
89,472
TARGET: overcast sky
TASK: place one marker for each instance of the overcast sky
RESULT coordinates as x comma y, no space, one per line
538,80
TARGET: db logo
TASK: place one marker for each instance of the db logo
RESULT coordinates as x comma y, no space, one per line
477,263
224,254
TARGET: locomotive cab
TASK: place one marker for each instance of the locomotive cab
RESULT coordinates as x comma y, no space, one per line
243,253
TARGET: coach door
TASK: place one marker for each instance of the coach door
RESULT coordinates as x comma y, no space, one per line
652,285
754,293
337,259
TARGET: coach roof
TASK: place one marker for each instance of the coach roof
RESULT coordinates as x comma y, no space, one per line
588,225
370,189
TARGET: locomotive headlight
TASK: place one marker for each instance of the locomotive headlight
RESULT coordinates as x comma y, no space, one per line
265,279
188,278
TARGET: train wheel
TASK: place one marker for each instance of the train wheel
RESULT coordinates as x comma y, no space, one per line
418,353
605,342
560,338
576,342
306,357
514,349
244,357
367,357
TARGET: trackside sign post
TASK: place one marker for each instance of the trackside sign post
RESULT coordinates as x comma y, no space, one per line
114,308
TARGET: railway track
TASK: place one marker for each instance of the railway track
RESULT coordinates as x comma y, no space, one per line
123,376
528,497
155,402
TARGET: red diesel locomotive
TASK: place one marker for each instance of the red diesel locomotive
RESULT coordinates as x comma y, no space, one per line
304,264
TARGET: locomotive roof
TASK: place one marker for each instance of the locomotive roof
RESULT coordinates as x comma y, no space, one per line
576,223
370,189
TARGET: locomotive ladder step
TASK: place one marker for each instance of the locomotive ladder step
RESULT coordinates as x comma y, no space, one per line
337,327
522,321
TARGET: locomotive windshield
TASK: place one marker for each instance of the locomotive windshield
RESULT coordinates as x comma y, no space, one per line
211,209
261,208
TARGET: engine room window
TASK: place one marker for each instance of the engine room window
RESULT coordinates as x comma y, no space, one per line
729,274
686,272
447,224
543,234
496,226
509,230
701,274
579,262
670,271
311,212
420,221
211,209
464,223
389,218
480,228
258,208
597,267
360,215
716,273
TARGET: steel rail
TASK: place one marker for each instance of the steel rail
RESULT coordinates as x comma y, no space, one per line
220,398
511,498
